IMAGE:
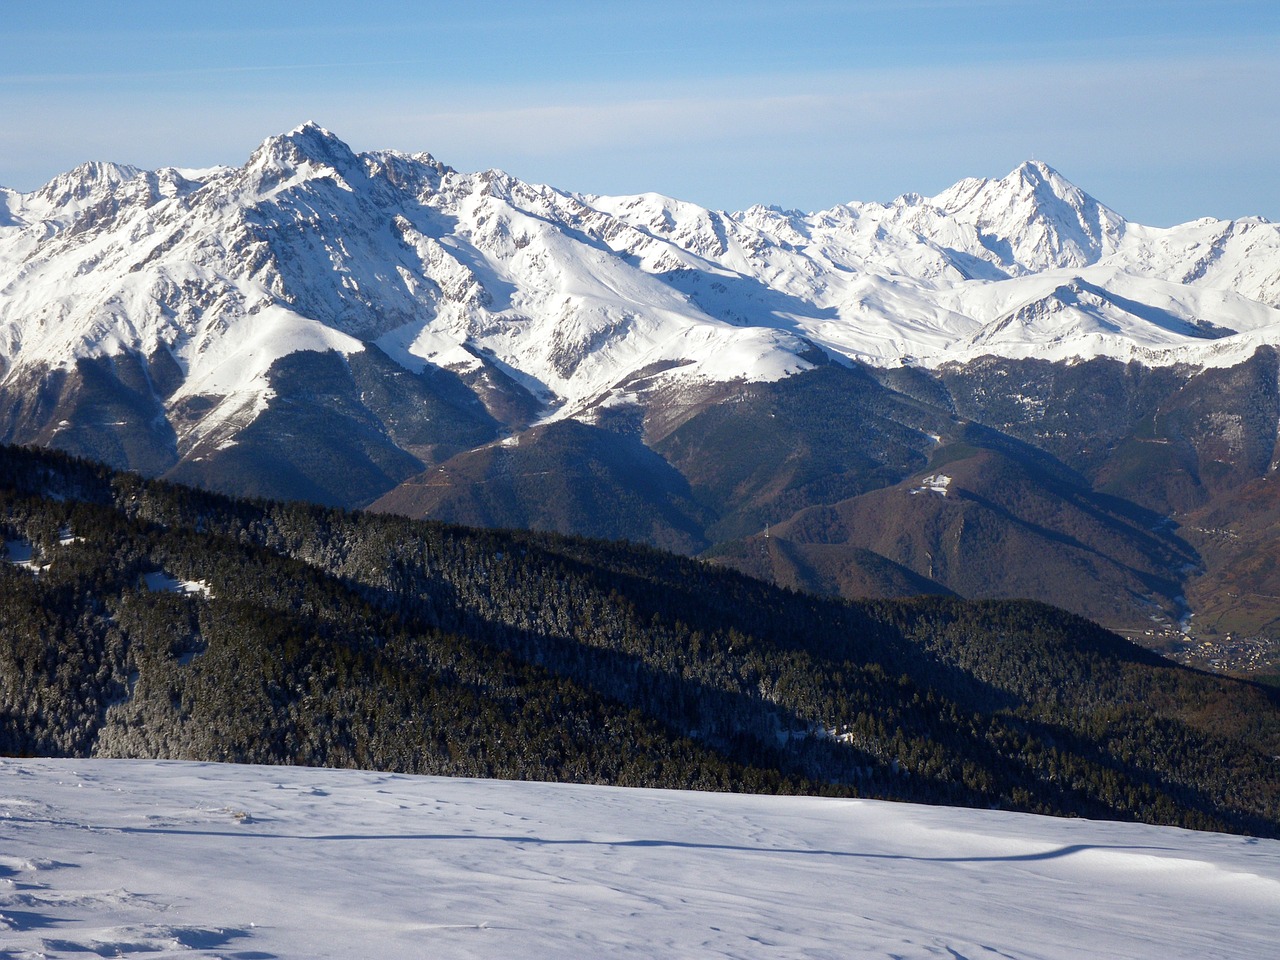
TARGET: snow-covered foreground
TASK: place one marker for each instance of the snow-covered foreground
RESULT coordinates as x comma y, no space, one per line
136,858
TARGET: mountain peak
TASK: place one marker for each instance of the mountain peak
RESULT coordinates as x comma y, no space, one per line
1045,183
86,180
313,137
311,128
1037,171
306,143
67,194
1047,219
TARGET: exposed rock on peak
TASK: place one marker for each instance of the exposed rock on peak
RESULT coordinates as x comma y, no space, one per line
307,150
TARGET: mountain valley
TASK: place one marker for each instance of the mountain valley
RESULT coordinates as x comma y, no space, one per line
146,619
1006,390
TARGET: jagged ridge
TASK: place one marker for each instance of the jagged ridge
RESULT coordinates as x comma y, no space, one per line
313,246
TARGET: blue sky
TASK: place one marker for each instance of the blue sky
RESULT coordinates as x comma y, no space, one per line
1166,111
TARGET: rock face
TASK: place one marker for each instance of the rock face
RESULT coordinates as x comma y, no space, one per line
381,329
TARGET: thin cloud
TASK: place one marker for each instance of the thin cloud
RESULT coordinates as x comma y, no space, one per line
40,79
1160,139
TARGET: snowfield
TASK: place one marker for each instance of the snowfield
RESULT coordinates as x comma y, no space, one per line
166,859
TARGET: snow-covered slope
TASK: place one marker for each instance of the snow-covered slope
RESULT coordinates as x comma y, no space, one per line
125,858
310,246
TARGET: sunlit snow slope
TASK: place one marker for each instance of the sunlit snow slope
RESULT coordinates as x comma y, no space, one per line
133,858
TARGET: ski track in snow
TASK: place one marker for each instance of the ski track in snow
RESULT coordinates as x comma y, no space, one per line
171,859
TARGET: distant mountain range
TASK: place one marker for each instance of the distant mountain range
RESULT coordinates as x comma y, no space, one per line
1004,390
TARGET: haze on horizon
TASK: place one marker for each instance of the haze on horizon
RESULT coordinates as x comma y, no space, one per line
1164,111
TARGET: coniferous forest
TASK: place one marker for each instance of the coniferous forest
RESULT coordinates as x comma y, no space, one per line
143,619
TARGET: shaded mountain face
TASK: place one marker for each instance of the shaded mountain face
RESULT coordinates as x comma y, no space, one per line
986,524
379,329
566,476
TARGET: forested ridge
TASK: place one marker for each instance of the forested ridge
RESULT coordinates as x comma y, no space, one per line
325,637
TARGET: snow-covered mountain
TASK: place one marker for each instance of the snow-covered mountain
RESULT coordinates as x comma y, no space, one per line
310,246
137,858
379,329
